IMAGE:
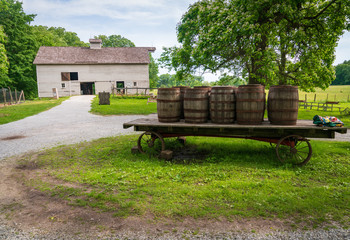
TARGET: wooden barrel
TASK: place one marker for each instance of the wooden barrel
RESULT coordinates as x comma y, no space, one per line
209,92
196,105
250,104
282,105
168,104
223,104
182,94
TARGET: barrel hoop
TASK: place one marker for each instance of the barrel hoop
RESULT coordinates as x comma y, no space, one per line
226,110
250,100
195,111
195,99
241,111
197,90
169,89
187,118
224,93
283,110
164,100
169,117
220,118
239,92
222,102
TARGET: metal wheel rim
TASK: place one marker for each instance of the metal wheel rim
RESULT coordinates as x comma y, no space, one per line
147,143
298,155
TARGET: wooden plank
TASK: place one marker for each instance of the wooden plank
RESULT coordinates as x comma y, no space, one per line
303,128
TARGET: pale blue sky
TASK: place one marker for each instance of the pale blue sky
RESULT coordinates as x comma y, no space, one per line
149,23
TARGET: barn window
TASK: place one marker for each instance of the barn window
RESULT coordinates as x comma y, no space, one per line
65,76
63,85
69,76
135,84
73,76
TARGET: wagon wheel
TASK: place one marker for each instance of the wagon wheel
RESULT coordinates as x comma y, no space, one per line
294,149
151,143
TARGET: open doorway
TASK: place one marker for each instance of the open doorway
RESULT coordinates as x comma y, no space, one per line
120,84
87,88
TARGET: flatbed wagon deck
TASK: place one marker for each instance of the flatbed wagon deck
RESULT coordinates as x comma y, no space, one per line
292,143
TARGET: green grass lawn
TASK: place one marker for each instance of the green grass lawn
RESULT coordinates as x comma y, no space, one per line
29,108
209,178
124,106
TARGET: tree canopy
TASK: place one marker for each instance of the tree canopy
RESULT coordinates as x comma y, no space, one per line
115,41
20,46
269,42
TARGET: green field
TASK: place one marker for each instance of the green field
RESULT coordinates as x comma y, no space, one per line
29,108
208,179
335,94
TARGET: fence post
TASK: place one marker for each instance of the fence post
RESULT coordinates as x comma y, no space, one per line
4,94
305,97
315,98
10,94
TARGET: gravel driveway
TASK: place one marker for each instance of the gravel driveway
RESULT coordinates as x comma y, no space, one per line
67,123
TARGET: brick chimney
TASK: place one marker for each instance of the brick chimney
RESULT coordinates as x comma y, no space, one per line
95,43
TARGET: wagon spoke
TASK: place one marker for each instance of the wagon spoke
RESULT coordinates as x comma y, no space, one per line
151,143
289,148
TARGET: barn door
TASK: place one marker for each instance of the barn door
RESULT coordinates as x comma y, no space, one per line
120,87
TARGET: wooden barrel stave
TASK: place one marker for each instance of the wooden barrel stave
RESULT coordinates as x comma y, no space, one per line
250,104
168,105
283,105
196,105
222,105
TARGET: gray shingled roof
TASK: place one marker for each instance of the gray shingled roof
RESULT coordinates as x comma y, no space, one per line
85,55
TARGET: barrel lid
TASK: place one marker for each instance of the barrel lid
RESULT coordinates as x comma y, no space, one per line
168,89
196,90
224,87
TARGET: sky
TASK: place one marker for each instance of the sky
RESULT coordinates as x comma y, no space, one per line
147,23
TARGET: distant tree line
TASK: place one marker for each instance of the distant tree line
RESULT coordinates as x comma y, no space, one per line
342,74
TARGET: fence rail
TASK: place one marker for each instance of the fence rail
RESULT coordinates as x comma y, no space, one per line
8,97
131,91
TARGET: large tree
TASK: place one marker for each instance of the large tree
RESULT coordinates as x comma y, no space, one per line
3,60
20,46
285,42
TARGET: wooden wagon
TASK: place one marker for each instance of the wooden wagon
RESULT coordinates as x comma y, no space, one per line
291,141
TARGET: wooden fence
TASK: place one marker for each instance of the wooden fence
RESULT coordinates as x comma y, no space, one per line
132,91
8,97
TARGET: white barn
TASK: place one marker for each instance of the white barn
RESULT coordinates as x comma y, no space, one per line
90,70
